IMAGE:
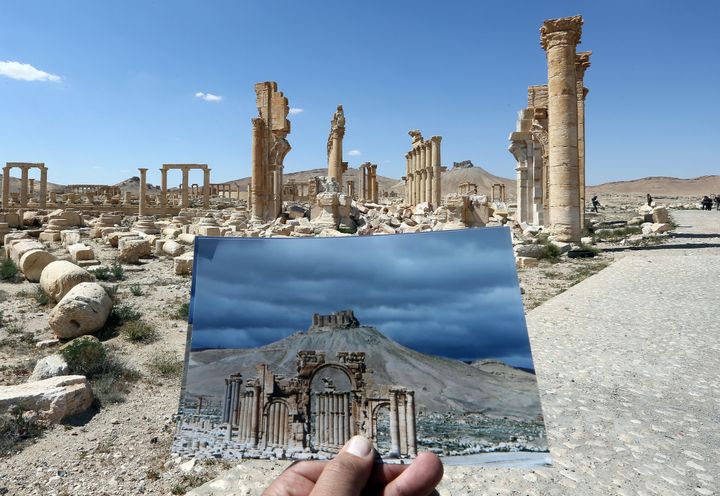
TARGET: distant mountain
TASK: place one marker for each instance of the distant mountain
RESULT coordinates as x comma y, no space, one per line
440,384
659,185
132,184
15,185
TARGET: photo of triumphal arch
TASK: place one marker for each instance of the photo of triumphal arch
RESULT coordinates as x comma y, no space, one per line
294,347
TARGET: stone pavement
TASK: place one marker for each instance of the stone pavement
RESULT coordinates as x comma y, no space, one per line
628,365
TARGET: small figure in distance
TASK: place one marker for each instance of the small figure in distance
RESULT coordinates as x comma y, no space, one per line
717,202
649,200
706,203
354,471
595,203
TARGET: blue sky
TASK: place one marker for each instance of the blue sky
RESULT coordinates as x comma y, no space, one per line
452,293
119,82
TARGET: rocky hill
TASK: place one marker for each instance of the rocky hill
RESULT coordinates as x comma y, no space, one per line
666,186
15,185
440,384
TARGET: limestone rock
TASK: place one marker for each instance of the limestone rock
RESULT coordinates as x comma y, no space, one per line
50,366
660,228
532,251
562,246
526,262
183,264
172,248
83,310
131,250
660,215
33,262
80,251
59,277
53,399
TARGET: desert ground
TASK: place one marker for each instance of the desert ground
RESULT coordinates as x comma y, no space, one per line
593,324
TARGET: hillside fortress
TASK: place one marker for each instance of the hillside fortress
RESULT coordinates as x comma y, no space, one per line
272,411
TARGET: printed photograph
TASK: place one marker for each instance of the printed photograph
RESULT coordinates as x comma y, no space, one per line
417,342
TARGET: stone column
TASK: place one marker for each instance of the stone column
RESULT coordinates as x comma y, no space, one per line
582,62
429,174
163,190
206,188
374,183
185,189
257,202
394,427
43,187
31,185
411,436
142,194
423,173
6,187
559,38
418,177
23,186
437,170
408,175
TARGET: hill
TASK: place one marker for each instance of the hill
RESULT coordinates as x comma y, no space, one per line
441,384
666,186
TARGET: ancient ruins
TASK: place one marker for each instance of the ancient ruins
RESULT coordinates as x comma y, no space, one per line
423,171
336,166
549,143
269,148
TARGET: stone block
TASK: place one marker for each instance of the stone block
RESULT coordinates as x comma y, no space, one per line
49,236
53,399
49,366
209,231
59,277
526,262
33,262
132,250
172,248
80,251
69,237
186,239
83,310
660,215
183,264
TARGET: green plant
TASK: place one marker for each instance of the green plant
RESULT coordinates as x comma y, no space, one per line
41,297
125,313
165,365
101,273
117,271
550,251
184,311
85,355
8,270
2,318
138,331
136,290
110,289
16,426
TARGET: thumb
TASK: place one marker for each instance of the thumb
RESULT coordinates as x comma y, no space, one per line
348,472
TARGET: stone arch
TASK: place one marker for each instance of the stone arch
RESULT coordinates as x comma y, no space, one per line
341,368
276,421
331,412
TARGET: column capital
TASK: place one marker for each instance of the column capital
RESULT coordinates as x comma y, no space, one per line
582,62
436,139
562,31
143,169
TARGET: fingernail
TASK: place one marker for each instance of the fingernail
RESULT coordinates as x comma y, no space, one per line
359,446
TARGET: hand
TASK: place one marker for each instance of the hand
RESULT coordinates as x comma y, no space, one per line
354,471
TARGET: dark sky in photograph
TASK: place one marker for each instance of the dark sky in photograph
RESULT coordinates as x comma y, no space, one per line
452,293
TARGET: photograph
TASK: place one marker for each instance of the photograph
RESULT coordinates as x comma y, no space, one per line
417,342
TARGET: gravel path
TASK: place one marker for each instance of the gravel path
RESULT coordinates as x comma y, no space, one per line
628,367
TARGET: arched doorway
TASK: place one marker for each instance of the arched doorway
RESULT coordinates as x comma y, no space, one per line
277,424
331,407
380,424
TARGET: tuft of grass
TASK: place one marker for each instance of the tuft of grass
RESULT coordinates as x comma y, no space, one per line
8,270
165,366
138,331
117,271
184,311
136,290
101,273
550,251
41,297
15,427
84,355
126,313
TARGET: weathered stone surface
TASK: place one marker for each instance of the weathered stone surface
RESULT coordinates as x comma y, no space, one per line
187,239
131,250
532,251
660,228
173,248
83,310
660,215
53,399
16,249
563,247
80,251
49,366
33,262
526,262
59,277
183,264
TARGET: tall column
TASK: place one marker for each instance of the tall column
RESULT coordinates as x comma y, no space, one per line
402,425
374,182
163,189
362,191
23,187
408,181
423,174
43,187
6,187
582,62
394,428
429,186
206,188
185,193
255,416
257,202
412,440
277,193
559,38
418,177
142,194
437,170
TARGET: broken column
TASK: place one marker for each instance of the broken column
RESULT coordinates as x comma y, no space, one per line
559,38
336,167
582,62
269,149
143,191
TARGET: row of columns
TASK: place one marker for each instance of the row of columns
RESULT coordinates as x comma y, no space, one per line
467,188
24,183
402,423
276,425
368,190
333,419
423,171
241,410
497,193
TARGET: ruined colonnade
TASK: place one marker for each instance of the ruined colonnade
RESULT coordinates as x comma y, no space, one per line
368,190
185,186
24,183
423,171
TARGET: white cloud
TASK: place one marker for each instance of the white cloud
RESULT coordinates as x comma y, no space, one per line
25,72
208,97
294,111
354,153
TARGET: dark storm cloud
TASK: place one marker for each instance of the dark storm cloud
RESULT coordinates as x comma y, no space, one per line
452,293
